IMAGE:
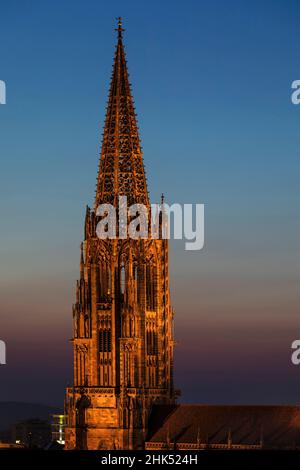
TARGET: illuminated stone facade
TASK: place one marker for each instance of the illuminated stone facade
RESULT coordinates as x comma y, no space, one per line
123,339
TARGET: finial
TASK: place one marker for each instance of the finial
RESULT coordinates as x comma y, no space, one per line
81,261
168,440
119,28
162,198
81,253
198,437
261,436
229,439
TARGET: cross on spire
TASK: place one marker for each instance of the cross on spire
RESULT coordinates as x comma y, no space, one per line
119,29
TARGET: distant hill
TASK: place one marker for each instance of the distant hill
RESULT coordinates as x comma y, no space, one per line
11,412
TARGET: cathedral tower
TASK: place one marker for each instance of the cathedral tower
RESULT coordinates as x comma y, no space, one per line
123,339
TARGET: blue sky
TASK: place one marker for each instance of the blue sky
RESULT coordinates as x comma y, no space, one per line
212,85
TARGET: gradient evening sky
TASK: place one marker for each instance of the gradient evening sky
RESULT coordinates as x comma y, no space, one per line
212,85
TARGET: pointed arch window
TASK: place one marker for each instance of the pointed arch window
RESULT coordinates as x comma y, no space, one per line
151,340
122,279
103,281
151,279
105,340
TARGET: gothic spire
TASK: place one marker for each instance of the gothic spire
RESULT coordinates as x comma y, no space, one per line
121,168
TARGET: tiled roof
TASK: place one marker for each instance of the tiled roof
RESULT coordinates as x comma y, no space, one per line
275,426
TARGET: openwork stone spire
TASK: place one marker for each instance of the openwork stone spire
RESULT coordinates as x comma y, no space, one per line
121,169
